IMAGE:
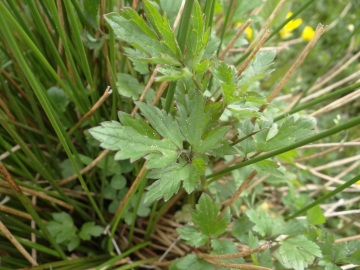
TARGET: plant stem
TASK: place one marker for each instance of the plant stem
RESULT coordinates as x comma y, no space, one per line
348,124
181,38
323,198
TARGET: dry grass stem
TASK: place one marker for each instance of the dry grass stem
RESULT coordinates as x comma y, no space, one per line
8,153
33,235
339,145
347,239
242,187
234,255
266,25
235,38
331,180
101,100
16,244
346,171
334,73
323,153
160,92
341,15
178,16
352,77
253,53
10,181
147,88
319,31
172,246
308,187
257,182
42,195
15,212
153,75
337,163
236,266
338,103
337,214
84,170
130,191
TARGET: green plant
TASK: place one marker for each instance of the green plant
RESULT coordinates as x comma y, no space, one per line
217,147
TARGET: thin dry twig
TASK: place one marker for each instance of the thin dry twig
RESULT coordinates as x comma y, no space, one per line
130,191
266,25
15,212
319,31
29,191
339,144
101,100
8,153
84,170
323,153
338,103
337,214
235,38
253,53
334,73
236,266
17,245
242,187
234,255
347,239
337,163
33,235
349,78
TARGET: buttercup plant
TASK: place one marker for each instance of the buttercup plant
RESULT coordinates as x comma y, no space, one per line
209,159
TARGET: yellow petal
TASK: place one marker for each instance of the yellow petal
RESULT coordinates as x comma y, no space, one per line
285,32
293,24
249,33
289,14
307,33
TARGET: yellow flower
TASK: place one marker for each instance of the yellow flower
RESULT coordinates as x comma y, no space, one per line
285,32
249,33
307,33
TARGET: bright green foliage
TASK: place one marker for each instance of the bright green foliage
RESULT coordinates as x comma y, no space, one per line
191,261
128,86
347,252
89,229
175,147
205,216
163,123
161,26
298,252
197,40
62,227
222,246
315,216
293,129
258,69
157,43
133,145
264,224
206,124
59,98
192,236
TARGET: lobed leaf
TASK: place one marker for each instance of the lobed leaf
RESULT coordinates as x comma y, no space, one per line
163,123
129,143
206,217
298,252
